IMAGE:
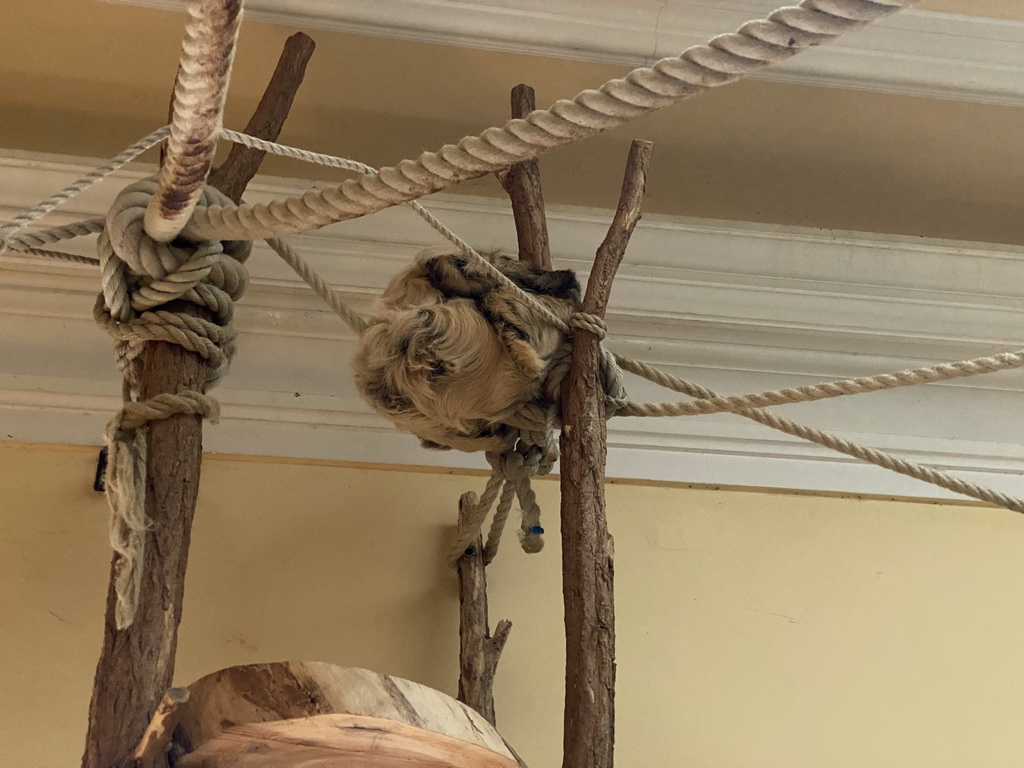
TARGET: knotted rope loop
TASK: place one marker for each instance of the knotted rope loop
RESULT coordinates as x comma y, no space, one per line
511,472
139,274
139,277
590,323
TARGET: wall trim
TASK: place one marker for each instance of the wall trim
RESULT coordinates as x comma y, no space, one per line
917,53
739,307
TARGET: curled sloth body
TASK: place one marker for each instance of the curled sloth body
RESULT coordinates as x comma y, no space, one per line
451,352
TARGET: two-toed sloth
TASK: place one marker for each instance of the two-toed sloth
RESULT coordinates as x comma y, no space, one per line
451,351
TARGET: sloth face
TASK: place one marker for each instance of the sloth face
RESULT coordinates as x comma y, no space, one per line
453,352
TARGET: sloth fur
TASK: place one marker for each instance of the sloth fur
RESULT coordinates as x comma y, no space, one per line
450,352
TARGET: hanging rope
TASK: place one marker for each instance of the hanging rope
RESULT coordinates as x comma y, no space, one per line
833,442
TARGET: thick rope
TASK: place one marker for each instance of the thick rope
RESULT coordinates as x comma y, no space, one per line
139,275
870,455
510,477
343,163
200,90
331,161
882,381
725,59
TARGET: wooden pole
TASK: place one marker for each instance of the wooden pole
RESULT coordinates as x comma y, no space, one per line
479,652
587,552
242,163
136,664
522,183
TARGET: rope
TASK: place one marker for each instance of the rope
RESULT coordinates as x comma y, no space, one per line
320,287
44,253
126,487
15,225
510,476
835,443
200,90
331,161
725,59
344,163
139,275
882,381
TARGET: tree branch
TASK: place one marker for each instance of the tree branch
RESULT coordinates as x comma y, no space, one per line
136,664
522,182
479,652
242,163
587,554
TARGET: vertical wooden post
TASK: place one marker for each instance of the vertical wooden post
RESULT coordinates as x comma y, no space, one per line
479,652
522,183
587,553
136,664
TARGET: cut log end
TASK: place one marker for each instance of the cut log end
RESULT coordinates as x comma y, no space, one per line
323,716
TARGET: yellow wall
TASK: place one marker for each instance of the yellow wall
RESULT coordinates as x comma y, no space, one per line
755,630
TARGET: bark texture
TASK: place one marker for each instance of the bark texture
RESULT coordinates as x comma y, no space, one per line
136,664
588,562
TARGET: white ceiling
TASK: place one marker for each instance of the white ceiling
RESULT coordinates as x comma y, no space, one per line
914,52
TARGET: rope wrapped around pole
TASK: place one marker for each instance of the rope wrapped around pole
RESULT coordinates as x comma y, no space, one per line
725,59
201,87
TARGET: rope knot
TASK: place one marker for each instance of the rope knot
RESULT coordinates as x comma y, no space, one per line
590,323
139,274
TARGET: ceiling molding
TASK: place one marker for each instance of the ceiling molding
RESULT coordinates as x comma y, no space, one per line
916,53
738,307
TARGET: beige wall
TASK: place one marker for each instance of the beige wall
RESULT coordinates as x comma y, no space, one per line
755,630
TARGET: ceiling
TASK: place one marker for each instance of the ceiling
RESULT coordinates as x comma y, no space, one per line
996,9
87,78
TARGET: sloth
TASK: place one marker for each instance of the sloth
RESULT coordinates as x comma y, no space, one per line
450,352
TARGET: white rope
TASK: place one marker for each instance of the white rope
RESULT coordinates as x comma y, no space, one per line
827,440
725,59
809,393
13,227
320,287
343,163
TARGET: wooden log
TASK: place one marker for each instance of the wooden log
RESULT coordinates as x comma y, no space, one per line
154,743
136,664
522,183
315,714
479,652
587,553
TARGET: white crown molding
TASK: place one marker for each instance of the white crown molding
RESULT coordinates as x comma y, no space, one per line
917,53
737,307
